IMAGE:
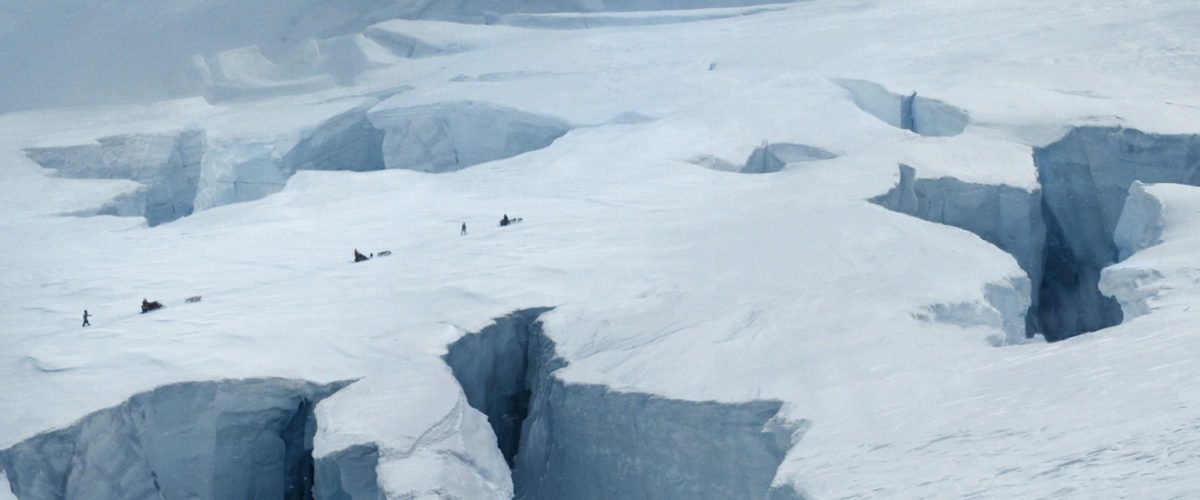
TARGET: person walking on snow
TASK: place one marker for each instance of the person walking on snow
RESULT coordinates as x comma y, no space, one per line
85,318
464,230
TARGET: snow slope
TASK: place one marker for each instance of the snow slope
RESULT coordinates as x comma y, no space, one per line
836,327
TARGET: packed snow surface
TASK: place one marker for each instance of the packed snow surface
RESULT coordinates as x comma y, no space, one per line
853,322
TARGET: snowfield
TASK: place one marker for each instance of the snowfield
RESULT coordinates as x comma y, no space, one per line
795,250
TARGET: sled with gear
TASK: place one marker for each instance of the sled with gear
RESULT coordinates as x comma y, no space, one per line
148,306
506,220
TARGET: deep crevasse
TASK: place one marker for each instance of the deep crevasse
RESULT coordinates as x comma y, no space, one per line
569,440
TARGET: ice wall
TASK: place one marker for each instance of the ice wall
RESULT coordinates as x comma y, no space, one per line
238,171
168,165
1066,234
348,474
226,439
1086,177
347,141
245,171
924,116
1139,227
185,172
1156,236
494,364
588,441
1005,216
1141,222
451,136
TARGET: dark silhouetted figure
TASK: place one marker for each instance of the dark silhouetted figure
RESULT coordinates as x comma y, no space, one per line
464,230
85,318
504,221
358,257
148,306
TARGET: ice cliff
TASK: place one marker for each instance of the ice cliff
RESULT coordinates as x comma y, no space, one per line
567,440
167,165
451,136
1064,234
226,439
924,116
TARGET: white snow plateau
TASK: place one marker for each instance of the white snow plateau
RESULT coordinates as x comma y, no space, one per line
760,250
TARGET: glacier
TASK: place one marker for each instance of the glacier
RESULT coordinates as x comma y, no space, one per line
941,188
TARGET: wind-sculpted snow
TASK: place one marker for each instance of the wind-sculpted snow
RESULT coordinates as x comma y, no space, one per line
1086,178
924,116
569,440
405,45
451,136
1005,216
167,165
498,11
591,20
227,439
